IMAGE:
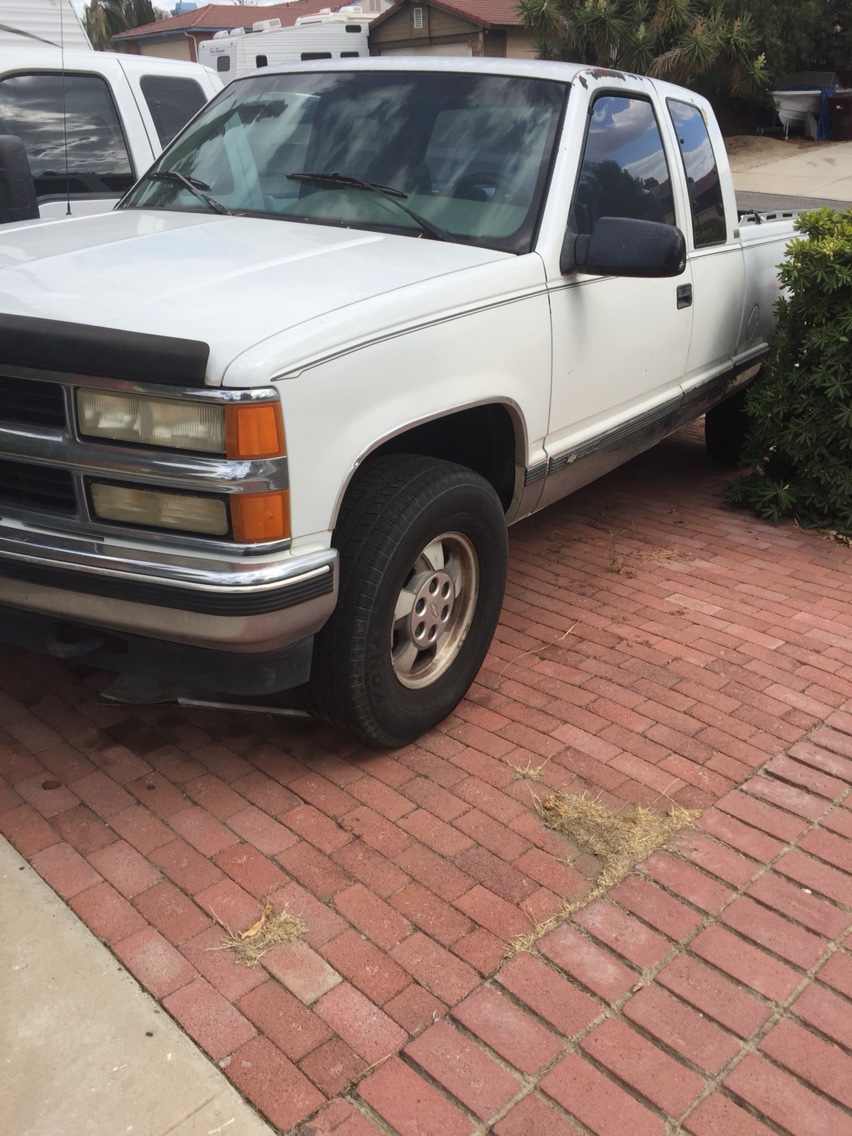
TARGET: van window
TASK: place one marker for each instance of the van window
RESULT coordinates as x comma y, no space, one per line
71,131
223,63
702,176
172,103
624,171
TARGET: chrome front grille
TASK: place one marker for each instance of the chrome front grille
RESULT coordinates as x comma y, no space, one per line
37,487
47,468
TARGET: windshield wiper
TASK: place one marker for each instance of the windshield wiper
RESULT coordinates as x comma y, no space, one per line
193,185
347,181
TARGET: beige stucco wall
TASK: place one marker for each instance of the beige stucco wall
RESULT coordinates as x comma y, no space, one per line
169,49
518,45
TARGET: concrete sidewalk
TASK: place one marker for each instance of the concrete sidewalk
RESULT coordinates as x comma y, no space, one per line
818,172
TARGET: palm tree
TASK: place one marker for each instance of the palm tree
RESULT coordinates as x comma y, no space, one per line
680,40
103,19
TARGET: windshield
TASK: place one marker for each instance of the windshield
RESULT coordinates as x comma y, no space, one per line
468,154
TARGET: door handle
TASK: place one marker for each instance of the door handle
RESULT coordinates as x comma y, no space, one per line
684,295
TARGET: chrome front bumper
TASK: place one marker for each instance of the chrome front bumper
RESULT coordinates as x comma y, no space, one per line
131,607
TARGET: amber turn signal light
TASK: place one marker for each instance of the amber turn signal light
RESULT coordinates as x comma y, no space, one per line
254,430
257,517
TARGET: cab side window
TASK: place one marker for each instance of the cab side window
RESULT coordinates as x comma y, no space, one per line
624,171
702,175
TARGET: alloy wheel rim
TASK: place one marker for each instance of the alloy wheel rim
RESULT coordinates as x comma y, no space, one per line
434,610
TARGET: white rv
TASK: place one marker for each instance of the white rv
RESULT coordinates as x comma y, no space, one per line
329,35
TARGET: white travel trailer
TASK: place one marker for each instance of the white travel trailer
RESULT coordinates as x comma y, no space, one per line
329,35
43,22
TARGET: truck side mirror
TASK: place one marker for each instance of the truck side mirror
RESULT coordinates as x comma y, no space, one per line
17,189
622,246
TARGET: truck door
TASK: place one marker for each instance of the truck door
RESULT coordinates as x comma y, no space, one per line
620,345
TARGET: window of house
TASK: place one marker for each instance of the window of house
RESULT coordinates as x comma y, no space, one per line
624,171
702,175
417,18
70,130
172,103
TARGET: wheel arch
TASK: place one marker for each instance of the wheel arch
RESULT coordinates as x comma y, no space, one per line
488,437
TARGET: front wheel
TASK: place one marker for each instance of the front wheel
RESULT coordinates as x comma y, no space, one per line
423,552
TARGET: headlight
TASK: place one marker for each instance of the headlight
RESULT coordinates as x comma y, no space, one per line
239,430
160,509
177,424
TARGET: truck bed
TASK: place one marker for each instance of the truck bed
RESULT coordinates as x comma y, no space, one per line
781,205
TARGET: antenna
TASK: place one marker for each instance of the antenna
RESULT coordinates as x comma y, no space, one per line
64,107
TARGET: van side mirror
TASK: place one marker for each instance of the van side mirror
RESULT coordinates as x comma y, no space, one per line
17,190
622,246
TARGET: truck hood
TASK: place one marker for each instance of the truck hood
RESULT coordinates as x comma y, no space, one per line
231,282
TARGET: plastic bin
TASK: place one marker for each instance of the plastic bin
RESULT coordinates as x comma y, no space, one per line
840,111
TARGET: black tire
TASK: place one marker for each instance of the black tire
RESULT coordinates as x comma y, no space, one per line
423,553
726,428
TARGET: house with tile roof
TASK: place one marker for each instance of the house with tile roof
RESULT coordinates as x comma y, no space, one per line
451,27
178,37
408,27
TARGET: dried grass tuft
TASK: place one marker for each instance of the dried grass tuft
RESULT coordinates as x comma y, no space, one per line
836,537
667,554
533,651
270,930
528,772
619,841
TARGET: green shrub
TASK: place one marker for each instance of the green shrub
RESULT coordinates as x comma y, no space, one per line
800,444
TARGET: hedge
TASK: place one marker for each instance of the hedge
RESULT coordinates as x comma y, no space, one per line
800,442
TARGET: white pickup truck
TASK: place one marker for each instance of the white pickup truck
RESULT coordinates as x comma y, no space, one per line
264,426
91,122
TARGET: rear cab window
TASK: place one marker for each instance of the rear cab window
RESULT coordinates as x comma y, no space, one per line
709,226
172,102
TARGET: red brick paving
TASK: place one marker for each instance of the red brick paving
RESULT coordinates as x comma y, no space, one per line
709,661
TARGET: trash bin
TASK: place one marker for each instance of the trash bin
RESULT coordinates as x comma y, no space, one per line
840,111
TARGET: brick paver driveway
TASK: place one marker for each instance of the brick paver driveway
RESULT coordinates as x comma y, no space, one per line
654,645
